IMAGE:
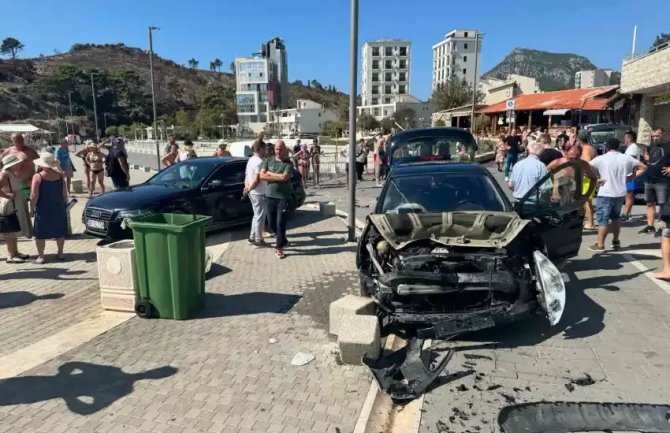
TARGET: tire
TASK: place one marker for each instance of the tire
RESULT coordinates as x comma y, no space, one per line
144,309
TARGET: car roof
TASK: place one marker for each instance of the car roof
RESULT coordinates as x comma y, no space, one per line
609,127
429,167
215,160
431,132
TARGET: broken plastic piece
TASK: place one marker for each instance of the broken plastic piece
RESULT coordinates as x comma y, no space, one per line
404,375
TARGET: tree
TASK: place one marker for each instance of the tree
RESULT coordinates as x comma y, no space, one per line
332,128
440,122
11,46
217,65
405,117
454,93
193,63
367,122
111,131
481,122
212,66
175,89
386,125
661,39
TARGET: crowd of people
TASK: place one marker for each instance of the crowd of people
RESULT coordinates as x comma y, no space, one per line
609,178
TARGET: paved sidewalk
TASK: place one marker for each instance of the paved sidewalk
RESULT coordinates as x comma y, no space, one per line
220,371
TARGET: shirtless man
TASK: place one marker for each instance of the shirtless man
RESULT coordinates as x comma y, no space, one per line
588,153
26,169
316,152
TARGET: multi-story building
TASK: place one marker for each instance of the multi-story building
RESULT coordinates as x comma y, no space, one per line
457,57
307,117
421,111
496,89
386,71
595,78
261,85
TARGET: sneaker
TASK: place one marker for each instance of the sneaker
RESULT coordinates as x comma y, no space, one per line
251,241
597,248
658,233
506,179
260,244
616,245
647,230
625,218
279,253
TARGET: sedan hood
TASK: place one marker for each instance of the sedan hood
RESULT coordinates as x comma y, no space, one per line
136,197
474,229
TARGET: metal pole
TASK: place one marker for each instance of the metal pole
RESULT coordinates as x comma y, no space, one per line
632,53
351,221
474,96
95,111
69,98
153,93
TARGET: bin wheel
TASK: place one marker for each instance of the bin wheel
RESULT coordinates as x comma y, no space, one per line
144,309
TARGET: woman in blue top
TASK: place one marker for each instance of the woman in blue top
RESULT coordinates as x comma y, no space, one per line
63,155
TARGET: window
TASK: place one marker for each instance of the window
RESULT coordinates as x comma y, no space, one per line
401,89
375,90
387,100
230,174
465,45
403,51
402,76
465,58
375,64
465,34
375,77
403,64
375,101
375,51
388,51
388,64
388,76
375,111
387,89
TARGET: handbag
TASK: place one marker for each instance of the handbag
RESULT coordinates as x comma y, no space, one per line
10,223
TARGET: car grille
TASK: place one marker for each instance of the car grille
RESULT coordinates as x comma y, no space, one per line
98,214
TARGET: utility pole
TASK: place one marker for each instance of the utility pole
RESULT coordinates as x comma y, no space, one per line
474,96
351,221
95,111
153,93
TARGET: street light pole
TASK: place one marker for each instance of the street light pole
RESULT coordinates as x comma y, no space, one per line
95,110
474,95
153,93
351,221
69,99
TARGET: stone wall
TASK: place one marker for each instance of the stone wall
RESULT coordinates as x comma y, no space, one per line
646,72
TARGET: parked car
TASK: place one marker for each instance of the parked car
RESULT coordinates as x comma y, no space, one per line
429,144
600,133
207,186
445,253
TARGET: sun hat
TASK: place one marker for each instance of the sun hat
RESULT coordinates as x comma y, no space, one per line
221,141
47,160
10,161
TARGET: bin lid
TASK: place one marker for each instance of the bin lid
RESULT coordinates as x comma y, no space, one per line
168,222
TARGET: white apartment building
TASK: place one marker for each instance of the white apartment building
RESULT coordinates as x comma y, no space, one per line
385,71
595,78
496,89
423,111
308,117
454,57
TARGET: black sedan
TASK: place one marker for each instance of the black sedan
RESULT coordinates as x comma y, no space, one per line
204,186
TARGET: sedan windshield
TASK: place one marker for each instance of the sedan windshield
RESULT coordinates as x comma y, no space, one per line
604,135
186,174
443,193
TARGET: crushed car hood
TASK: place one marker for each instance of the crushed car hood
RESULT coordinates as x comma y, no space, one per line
473,229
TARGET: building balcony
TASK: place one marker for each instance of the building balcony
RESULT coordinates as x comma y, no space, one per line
647,72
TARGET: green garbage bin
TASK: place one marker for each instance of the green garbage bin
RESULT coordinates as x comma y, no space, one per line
170,257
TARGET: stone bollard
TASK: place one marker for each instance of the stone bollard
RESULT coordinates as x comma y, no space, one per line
136,166
327,209
359,336
77,186
345,306
146,169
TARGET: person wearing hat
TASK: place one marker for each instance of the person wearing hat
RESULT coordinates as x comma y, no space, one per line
27,155
12,200
66,166
48,197
188,151
221,151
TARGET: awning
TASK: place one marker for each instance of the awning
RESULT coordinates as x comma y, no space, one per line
18,127
555,112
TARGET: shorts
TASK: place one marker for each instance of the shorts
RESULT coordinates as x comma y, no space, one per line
655,192
586,184
608,209
630,186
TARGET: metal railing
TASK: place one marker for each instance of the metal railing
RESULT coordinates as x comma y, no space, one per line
644,54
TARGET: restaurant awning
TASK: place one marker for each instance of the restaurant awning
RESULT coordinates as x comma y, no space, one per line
560,112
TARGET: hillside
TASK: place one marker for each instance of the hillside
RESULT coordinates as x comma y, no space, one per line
37,88
554,71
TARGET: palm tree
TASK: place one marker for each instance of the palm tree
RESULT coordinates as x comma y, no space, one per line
193,64
217,64
212,66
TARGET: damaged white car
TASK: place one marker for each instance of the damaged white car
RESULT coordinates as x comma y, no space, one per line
446,253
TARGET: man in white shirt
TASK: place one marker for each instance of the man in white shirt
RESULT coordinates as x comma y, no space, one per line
255,188
632,149
614,169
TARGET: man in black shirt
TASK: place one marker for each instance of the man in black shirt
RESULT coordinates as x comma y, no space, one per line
549,153
656,186
513,141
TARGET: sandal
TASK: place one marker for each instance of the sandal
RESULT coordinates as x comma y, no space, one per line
23,256
39,261
15,260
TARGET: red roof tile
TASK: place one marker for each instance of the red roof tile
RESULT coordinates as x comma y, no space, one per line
573,99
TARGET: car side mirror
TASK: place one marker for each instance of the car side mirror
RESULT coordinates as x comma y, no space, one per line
214,184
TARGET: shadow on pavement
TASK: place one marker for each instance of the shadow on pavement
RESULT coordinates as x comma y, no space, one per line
216,271
320,251
219,305
85,387
21,298
44,273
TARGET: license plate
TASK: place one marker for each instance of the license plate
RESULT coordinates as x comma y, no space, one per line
95,224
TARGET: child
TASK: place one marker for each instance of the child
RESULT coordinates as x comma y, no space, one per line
500,152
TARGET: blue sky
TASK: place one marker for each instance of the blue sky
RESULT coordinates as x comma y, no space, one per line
316,32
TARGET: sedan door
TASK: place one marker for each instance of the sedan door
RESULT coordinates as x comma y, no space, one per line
556,206
222,195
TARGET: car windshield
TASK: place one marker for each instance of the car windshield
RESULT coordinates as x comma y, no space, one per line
431,147
186,174
603,136
446,192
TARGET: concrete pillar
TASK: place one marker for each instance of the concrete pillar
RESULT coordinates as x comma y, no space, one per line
530,119
644,127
